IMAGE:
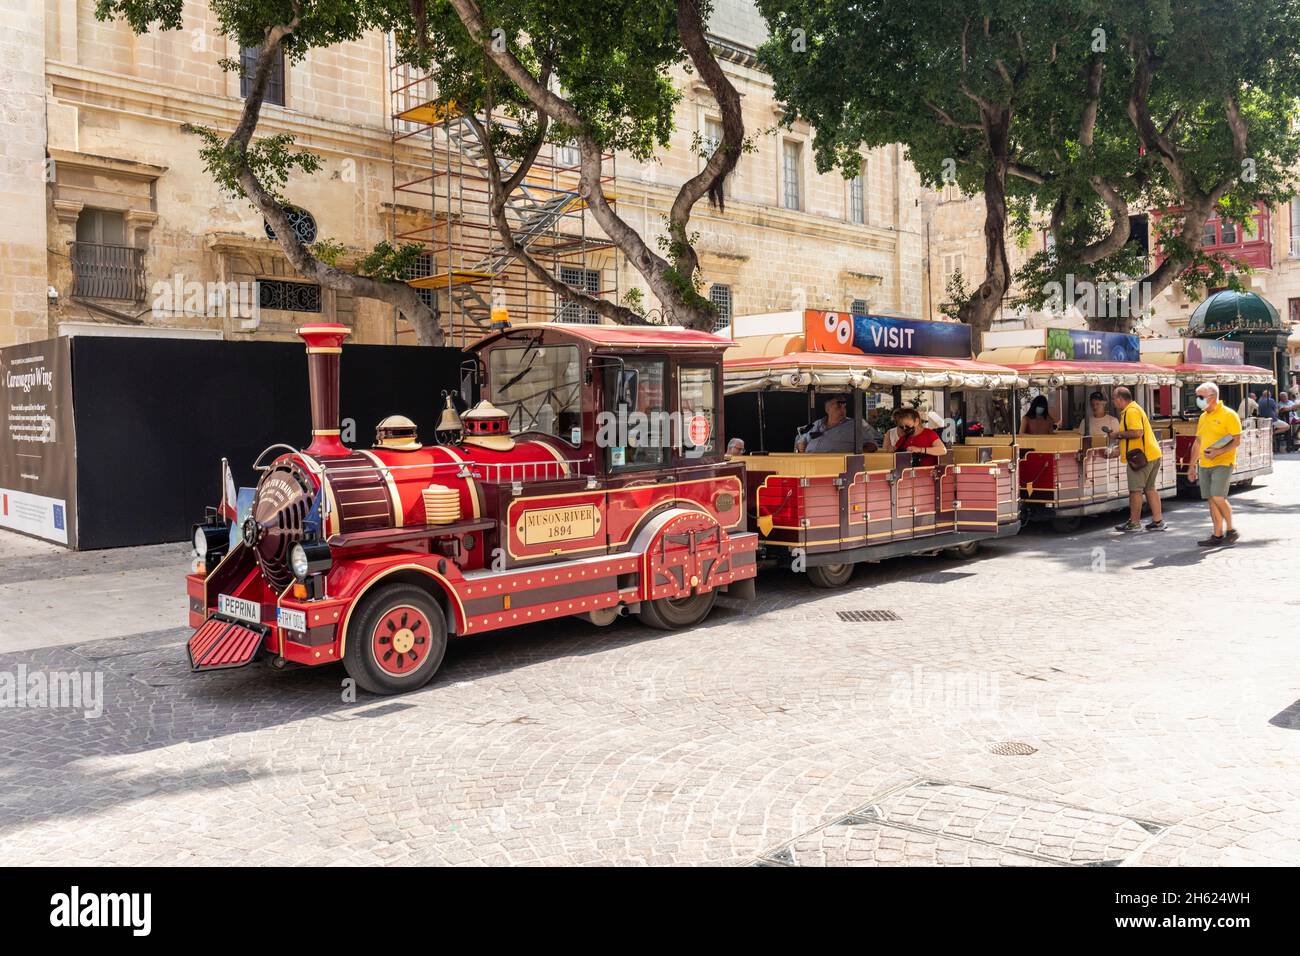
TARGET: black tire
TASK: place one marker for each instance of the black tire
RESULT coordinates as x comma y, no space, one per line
667,614
967,549
1066,525
830,575
365,646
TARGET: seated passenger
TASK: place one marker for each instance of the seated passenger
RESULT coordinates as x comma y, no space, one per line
909,435
834,431
1038,420
735,446
1099,418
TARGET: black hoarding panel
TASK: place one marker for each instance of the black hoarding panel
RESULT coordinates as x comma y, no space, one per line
37,441
155,417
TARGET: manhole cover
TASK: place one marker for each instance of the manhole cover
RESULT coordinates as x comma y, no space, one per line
1012,748
862,616
948,824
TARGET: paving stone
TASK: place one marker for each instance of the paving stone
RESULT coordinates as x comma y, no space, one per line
566,743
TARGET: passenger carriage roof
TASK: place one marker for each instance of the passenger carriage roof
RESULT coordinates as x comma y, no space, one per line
1224,374
1091,373
620,336
840,370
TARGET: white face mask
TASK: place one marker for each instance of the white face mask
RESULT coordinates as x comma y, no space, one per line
1201,402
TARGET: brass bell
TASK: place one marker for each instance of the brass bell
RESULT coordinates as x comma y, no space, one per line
449,421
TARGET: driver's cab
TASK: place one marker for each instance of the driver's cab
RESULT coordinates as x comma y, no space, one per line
626,408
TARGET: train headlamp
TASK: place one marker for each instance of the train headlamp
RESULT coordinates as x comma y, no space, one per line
309,557
210,541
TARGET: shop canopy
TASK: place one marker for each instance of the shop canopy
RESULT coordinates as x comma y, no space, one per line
749,372
1057,374
1194,373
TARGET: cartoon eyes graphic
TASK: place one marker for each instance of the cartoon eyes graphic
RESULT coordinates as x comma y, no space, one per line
840,327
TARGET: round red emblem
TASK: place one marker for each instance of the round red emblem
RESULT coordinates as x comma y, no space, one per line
697,430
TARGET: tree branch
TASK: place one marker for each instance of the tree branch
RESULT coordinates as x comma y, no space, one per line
398,294
665,282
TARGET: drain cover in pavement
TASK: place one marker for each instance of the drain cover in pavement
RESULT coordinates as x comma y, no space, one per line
1012,748
861,616
948,824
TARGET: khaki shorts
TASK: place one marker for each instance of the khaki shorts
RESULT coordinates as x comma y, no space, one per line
1214,481
1144,478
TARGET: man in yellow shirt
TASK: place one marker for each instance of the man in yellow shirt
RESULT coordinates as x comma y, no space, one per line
1214,453
1135,434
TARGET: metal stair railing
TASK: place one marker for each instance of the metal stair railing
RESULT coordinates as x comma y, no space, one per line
530,215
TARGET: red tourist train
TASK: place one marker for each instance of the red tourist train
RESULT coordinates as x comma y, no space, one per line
593,480
374,557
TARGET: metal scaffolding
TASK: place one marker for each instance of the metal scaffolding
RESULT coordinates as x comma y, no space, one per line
441,195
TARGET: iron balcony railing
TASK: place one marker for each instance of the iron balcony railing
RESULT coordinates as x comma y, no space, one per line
102,271
1295,247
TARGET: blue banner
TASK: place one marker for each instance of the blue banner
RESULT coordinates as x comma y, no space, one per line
1082,345
884,335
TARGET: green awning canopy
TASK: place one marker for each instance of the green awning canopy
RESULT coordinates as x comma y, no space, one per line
1228,311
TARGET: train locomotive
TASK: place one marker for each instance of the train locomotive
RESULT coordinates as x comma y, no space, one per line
376,556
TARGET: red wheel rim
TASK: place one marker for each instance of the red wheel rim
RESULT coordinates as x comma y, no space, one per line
400,641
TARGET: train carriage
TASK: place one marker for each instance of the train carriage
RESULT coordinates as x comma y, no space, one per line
1068,474
827,511
525,510
1222,362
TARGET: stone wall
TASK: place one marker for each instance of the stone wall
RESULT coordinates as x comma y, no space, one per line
23,308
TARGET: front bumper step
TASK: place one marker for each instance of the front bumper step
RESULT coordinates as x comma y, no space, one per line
219,643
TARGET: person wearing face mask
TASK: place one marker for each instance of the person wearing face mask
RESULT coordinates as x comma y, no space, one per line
1218,433
908,435
1038,420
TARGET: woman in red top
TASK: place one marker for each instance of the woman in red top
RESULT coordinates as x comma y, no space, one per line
908,435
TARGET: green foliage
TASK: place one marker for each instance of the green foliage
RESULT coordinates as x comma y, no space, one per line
634,299
329,251
873,72
390,263
272,160
957,295
610,60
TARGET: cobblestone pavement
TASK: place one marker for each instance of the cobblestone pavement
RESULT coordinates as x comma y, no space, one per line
1087,699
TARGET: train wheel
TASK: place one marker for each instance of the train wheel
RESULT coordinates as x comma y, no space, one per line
395,640
1065,525
830,575
669,614
967,549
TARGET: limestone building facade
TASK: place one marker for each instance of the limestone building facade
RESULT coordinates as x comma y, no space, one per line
111,224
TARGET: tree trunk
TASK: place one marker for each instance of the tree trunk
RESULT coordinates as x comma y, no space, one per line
979,310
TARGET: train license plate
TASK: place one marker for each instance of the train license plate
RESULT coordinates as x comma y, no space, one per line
239,608
290,620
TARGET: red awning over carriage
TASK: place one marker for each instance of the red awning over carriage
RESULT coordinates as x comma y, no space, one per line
620,336
1096,373
1224,374
838,370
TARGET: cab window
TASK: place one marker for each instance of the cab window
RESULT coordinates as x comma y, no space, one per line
698,402
540,388
636,433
